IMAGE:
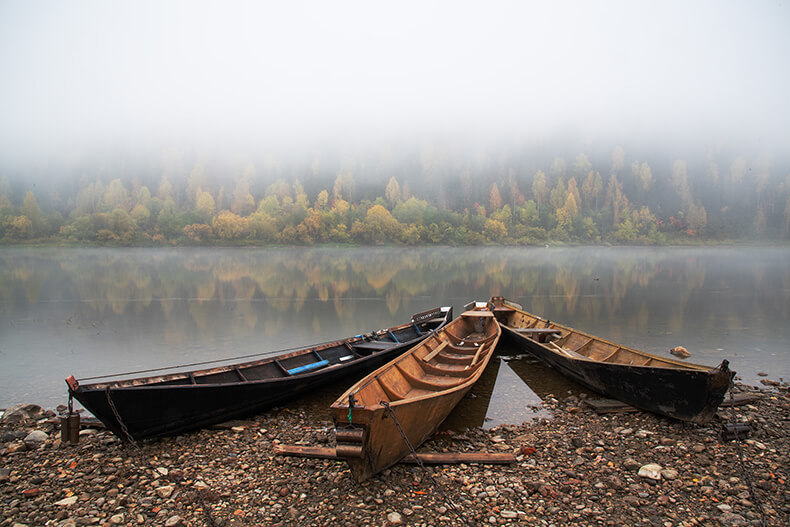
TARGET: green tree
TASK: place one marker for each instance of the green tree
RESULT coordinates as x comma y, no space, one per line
115,196
558,195
540,189
494,199
32,212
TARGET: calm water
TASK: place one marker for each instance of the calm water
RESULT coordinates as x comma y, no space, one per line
95,311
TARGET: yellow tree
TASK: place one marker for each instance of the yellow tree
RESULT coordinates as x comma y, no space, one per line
205,202
243,202
494,199
229,226
393,192
567,213
494,230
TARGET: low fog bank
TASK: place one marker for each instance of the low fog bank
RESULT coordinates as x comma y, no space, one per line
246,77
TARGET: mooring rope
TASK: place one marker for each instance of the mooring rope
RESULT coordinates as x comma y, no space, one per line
436,485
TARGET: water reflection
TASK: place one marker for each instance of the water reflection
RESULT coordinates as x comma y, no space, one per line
92,311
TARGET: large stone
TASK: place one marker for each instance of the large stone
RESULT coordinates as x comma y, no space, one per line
67,502
174,521
165,491
650,471
22,412
35,439
394,518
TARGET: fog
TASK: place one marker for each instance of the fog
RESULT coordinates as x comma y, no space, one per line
87,76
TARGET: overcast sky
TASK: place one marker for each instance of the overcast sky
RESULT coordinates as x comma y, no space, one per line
81,74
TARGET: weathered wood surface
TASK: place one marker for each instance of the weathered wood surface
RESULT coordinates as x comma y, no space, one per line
429,458
739,399
608,406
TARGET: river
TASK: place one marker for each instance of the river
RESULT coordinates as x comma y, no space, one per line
93,311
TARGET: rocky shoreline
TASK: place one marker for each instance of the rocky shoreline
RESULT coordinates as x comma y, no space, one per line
578,467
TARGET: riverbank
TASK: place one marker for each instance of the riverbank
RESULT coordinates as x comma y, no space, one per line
576,468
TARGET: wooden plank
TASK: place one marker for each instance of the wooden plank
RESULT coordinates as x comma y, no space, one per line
431,458
606,406
435,351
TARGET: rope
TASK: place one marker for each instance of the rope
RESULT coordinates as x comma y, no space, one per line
744,472
131,441
436,485
202,363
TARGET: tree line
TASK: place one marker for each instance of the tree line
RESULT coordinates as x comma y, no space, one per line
432,201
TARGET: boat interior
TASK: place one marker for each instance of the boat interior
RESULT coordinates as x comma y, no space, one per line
575,344
443,361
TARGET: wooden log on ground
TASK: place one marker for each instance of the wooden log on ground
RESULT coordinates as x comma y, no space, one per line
739,399
428,458
608,406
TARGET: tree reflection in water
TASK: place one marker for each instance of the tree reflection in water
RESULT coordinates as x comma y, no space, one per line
115,309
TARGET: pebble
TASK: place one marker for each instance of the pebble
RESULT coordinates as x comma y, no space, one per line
575,468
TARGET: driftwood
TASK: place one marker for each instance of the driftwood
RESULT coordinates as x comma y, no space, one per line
429,458
605,406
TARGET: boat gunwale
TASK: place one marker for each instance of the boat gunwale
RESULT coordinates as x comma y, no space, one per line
153,382
682,365
475,372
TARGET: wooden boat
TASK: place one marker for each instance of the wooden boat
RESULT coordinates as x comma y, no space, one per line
172,404
414,393
682,390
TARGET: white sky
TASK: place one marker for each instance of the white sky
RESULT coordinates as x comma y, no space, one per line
84,73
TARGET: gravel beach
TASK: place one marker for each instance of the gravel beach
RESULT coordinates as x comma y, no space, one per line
577,467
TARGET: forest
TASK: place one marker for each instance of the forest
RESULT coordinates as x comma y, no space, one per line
431,194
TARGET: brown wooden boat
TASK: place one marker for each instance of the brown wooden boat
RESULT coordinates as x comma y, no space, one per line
413,394
682,390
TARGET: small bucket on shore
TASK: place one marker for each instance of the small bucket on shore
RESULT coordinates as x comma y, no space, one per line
730,431
70,428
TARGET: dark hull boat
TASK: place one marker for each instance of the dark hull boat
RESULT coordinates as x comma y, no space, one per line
413,394
172,404
682,390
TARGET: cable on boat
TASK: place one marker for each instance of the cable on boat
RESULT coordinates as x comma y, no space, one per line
215,361
744,472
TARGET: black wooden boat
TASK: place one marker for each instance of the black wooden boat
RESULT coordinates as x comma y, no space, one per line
170,404
682,390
